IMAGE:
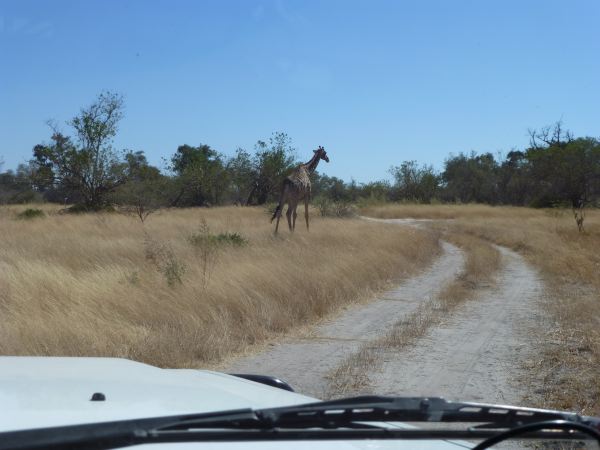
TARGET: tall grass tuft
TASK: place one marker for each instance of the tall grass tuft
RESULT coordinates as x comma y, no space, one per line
161,255
206,245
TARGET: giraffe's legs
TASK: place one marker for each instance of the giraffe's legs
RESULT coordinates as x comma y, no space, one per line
294,215
288,214
280,205
278,217
306,212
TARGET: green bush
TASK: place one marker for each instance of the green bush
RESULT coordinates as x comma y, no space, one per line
80,208
165,261
207,247
30,213
204,238
235,239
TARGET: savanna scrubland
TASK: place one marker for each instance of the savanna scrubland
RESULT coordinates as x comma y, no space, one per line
191,287
566,371
188,287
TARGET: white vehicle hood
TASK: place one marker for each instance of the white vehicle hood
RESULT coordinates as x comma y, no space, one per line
49,391
39,392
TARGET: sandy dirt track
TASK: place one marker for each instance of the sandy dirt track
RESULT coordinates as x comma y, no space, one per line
305,362
476,354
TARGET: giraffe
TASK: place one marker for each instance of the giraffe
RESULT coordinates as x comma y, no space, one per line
295,188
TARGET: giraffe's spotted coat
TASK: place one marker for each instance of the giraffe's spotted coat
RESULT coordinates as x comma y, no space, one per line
297,187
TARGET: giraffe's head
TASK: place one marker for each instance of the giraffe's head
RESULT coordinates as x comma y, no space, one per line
322,154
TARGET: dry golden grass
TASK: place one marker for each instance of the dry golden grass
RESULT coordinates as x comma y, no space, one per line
440,212
566,374
482,262
98,285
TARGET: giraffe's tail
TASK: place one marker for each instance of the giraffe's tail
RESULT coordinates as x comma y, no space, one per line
276,212
284,188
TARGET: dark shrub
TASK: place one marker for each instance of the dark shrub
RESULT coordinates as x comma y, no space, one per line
30,213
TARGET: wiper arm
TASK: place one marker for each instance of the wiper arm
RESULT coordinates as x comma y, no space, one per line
339,413
351,418
357,417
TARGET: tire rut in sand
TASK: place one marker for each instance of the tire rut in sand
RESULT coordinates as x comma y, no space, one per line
477,354
304,363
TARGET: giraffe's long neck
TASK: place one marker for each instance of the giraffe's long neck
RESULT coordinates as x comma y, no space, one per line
313,163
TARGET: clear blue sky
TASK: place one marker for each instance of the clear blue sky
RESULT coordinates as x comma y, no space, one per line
375,82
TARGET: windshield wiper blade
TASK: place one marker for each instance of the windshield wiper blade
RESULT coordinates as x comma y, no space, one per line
350,418
339,413
353,418
361,417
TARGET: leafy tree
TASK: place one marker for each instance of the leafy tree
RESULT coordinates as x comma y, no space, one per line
566,172
16,187
201,175
414,183
471,178
378,191
242,175
514,179
146,188
332,188
564,169
87,163
137,167
271,162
